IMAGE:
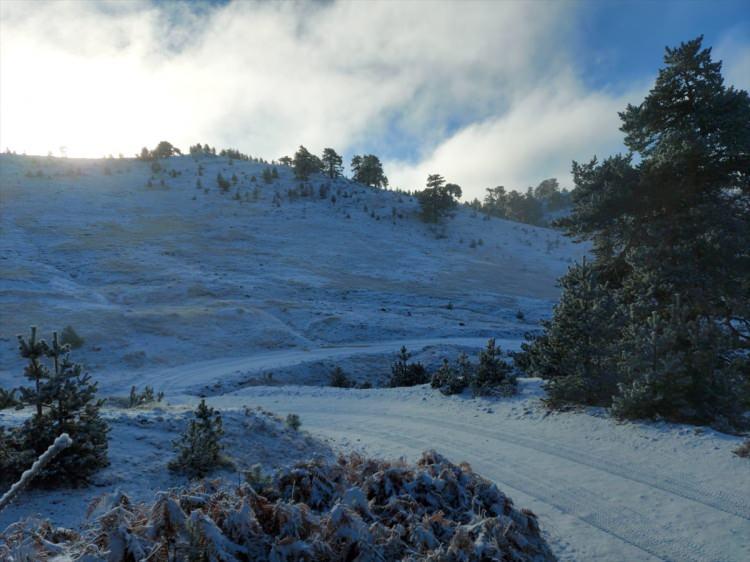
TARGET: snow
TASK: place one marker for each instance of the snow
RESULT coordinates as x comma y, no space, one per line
207,296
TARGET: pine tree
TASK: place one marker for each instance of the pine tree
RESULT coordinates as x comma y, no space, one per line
404,373
34,350
453,379
267,175
574,353
222,182
675,223
199,448
306,164
165,149
332,163
339,378
493,375
64,401
437,198
355,165
368,170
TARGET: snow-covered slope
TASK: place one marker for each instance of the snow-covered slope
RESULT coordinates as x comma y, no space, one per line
171,274
196,293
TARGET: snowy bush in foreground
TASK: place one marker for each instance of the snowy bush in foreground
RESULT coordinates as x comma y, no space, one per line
356,509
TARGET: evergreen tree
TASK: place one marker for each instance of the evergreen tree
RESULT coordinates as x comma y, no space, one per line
368,170
453,379
404,373
675,223
493,375
495,202
165,149
267,175
306,164
222,182
64,402
339,378
332,163
574,353
356,165
199,448
437,198
36,371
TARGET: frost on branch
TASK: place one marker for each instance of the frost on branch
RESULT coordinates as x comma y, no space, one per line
354,509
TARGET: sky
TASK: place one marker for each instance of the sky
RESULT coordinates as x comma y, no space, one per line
485,93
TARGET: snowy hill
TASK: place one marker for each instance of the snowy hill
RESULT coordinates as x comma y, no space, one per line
170,274
196,292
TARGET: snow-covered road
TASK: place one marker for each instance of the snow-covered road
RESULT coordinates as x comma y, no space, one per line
195,376
603,491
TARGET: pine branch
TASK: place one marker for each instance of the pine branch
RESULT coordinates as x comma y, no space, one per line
62,442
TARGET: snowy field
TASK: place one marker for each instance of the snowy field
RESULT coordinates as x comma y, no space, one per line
251,304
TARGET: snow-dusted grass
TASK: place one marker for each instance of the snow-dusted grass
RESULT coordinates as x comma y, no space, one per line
158,278
195,293
140,446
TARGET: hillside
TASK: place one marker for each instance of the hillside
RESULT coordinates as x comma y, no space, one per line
251,302
171,274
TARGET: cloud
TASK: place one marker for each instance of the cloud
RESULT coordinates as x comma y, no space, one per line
264,76
537,138
485,93
733,49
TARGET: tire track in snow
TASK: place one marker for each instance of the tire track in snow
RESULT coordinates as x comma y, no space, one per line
682,488
623,523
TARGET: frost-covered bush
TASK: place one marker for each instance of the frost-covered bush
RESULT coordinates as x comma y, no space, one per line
199,448
355,509
404,373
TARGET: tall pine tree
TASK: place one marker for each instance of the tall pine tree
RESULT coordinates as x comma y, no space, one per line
673,223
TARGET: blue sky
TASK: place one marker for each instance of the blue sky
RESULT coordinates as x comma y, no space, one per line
629,36
484,92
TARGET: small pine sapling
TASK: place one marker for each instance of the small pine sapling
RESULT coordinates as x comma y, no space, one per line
70,337
404,373
293,422
493,374
339,379
199,448
453,379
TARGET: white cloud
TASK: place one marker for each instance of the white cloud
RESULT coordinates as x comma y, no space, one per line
537,138
484,92
733,49
264,77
